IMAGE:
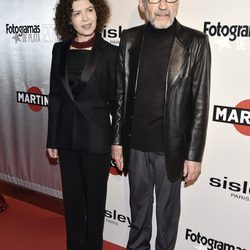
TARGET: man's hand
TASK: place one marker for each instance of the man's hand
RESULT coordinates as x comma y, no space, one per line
116,153
191,172
53,153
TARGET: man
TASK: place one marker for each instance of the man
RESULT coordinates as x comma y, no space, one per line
162,113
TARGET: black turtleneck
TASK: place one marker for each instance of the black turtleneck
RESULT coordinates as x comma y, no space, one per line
147,126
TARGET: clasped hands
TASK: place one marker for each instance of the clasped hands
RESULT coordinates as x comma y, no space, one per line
191,171
117,156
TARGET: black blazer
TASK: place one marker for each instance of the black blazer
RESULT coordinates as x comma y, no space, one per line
82,123
186,101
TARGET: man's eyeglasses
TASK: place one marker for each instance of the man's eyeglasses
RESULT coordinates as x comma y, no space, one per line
157,1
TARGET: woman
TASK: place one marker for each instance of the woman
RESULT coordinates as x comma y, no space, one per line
82,86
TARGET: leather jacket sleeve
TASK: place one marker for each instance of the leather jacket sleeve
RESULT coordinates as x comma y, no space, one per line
200,100
119,97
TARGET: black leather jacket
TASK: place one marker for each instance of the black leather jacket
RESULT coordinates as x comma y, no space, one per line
186,103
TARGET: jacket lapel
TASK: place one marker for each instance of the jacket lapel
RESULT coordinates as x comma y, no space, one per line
93,59
135,52
64,68
176,62
178,58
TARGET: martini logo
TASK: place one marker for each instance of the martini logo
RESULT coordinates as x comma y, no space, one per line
34,98
231,32
238,190
24,33
239,116
208,243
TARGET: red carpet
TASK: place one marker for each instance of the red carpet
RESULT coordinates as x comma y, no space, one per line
26,227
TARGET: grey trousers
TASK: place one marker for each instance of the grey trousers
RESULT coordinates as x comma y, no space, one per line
147,170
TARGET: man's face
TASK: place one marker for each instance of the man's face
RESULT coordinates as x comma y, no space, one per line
161,15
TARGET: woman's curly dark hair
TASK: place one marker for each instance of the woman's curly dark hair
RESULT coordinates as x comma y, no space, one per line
64,29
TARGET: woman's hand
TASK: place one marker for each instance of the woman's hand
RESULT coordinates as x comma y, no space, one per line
53,153
116,153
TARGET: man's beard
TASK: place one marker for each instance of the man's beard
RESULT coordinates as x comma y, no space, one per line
155,23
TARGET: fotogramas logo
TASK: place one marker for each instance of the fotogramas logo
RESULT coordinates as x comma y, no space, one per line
236,189
48,33
232,32
24,33
202,242
239,116
33,98
227,34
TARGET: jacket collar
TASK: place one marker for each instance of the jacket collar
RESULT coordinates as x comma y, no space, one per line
90,66
178,57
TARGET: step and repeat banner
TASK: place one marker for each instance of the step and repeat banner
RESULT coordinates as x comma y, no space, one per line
215,211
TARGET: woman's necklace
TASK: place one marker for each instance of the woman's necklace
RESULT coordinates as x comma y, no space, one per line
83,45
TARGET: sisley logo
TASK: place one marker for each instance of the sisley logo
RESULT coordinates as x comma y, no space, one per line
114,218
112,35
241,190
209,243
232,32
239,116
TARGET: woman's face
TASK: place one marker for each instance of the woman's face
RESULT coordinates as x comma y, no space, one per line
83,19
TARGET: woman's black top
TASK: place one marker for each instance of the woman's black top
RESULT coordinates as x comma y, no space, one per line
76,62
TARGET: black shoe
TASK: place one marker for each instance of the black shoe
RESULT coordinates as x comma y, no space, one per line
3,204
